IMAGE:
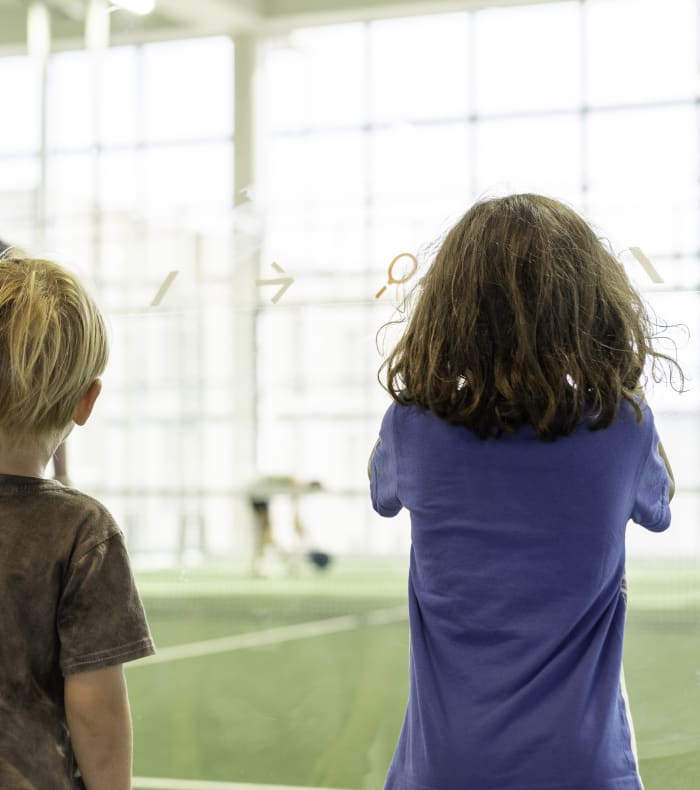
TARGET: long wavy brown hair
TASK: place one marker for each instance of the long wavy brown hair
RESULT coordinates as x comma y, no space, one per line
525,317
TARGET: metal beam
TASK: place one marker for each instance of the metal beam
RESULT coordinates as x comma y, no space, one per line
176,19
223,16
284,15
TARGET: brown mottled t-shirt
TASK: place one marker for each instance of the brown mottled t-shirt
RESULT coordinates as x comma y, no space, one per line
68,604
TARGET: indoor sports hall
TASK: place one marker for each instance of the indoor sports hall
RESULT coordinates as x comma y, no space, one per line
252,188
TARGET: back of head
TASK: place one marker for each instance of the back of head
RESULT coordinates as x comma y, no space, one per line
525,317
53,345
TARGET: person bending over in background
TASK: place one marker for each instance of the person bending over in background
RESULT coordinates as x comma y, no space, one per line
266,548
71,615
521,445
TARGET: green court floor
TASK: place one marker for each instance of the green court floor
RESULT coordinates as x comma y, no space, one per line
306,683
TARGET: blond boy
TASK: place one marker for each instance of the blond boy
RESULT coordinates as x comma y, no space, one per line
70,615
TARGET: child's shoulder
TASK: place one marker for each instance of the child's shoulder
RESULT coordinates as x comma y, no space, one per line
629,414
408,412
77,500
413,418
65,516
91,520
45,519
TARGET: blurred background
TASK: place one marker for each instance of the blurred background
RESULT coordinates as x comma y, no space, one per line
215,138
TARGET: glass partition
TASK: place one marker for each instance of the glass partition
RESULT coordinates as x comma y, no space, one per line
283,655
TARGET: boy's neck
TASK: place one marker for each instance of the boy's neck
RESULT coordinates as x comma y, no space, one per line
23,462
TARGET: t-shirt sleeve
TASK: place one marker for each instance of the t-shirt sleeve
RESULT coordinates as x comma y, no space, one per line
651,506
101,620
384,482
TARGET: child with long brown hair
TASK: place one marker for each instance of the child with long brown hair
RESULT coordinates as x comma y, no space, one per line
521,445
71,615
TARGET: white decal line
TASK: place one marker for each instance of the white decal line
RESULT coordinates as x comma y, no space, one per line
158,298
274,636
647,265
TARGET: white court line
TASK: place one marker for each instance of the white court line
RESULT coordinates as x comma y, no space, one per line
274,636
151,783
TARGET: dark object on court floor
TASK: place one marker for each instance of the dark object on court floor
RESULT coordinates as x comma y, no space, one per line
320,559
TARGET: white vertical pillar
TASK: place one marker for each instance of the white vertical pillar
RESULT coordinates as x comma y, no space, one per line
245,265
97,32
39,47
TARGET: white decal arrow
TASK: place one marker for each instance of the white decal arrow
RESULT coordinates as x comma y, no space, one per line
285,282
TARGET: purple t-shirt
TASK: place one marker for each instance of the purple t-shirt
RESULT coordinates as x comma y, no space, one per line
515,599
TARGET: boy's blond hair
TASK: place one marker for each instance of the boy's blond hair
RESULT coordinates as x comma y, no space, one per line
53,345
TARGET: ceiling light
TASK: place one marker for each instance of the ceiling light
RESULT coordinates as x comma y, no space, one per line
140,7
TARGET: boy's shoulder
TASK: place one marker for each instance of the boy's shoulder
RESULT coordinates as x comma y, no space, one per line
58,515
90,519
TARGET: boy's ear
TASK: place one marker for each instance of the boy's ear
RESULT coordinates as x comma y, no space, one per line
84,408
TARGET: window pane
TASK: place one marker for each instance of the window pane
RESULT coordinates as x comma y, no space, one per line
641,50
662,221
530,154
528,59
316,79
72,99
420,68
316,195
185,177
330,166
119,122
188,90
642,176
634,148
422,177
19,174
286,92
21,87
426,166
121,185
318,239
679,272
332,68
71,184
